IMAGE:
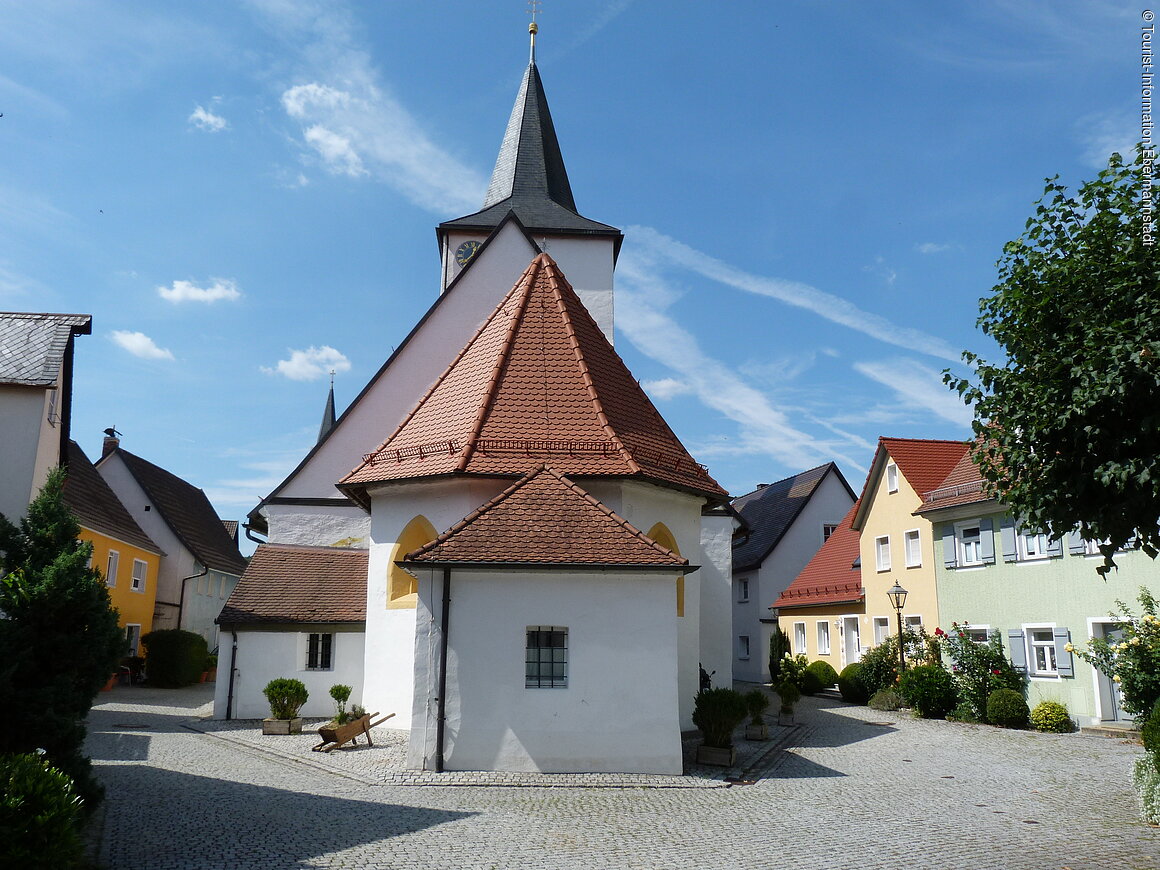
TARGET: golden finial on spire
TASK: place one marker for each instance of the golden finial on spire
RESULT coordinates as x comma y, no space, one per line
533,28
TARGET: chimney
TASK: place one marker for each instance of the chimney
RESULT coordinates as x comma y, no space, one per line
112,441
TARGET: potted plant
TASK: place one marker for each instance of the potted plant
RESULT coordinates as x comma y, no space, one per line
717,713
209,675
340,694
789,694
286,697
758,702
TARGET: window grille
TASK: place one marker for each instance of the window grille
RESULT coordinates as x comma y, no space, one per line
546,659
318,651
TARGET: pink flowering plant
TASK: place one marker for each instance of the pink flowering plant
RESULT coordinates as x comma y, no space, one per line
977,669
1132,660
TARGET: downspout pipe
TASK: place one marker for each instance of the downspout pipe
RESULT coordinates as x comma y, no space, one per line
233,670
441,715
181,598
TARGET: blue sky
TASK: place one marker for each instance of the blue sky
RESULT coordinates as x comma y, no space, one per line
813,194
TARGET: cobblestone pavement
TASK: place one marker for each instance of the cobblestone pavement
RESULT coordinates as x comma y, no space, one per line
852,787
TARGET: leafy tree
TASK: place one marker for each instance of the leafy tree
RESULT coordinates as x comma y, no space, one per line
1068,424
59,640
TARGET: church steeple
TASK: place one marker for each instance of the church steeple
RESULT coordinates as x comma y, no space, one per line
328,412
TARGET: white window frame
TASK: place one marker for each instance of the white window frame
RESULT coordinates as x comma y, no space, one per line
743,647
828,530
823,637
965,560
912,620
742,589
112,566
882,622
1030,546
138,583
972,630
891,477
799,638
882,553
1033,646
132,640
913,560
323,659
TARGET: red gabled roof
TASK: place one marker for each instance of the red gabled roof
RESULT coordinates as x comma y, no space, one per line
924,462
963,485
830,576
287,583
538,381
546,519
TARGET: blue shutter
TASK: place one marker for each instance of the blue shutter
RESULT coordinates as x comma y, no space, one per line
1017,649
1054,547
950,551
987,540
1063,660
1007,533
1075,543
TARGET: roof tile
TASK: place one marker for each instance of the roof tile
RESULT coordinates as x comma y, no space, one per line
285,583
96,506
830,576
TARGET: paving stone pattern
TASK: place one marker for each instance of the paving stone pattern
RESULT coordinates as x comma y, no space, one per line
846,787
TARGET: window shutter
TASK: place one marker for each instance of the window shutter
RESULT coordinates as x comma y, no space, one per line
1017,649
987,541
1063,659
1075,543
950,551
1055,547
1007,533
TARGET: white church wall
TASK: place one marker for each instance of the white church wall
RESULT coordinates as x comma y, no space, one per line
716,579
338,526
619,710
587,263
267,655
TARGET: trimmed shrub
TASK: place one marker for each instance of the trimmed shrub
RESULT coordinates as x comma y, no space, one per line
850,684
930,690
717,713
825,673
1007,709
286,697
40,815
789,695
886,699
341,694
174,657
758,703
1051,716
1150,732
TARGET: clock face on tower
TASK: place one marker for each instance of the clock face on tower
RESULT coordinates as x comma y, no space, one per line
466,251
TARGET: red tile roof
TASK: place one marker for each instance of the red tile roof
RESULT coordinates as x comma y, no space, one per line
546,519
924,463
964,485
829,577
539,381
285,583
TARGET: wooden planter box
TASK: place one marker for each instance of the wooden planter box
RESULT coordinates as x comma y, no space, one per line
757,732
282,726
716,756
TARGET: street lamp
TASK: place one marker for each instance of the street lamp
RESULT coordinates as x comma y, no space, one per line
897,596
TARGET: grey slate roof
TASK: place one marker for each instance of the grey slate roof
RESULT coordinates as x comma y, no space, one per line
188,513
770,510
32,346
96,506
529,177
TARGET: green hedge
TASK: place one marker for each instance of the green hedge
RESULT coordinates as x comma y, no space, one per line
174,657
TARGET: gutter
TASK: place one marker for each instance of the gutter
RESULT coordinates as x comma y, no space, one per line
233,670
181,598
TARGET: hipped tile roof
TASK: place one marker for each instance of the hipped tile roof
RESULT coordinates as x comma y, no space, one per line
32,346
830,576
771,510
538,381
546,519
285,583
188,513
96,506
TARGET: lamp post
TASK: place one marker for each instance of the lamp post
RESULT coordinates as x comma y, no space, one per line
897,596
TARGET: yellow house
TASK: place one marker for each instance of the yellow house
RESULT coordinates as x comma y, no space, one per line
124,554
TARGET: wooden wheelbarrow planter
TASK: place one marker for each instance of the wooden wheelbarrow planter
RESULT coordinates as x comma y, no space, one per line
336,736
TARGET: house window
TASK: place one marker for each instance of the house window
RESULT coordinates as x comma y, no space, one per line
132,639
799,638
743,646
140,569
319,652
546,657
977,634
970,543
1032,546
1043,662
827,530
882,552
111,567
743,589
892,478
914,623
912,543
823,638
881,629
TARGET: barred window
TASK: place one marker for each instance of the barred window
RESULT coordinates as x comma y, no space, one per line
318,649
546,660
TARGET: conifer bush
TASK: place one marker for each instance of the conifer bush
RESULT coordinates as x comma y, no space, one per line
1052,716
717,713
1007,709
886,699
286,697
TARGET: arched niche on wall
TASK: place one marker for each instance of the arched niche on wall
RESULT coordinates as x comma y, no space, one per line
661,534
403,588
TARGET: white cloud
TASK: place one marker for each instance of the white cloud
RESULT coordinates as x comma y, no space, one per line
932,248
335,150
666,388
187,291
310,364
139,344
1102,134
917,386
204,119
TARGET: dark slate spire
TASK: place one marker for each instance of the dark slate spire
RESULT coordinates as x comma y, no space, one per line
328,412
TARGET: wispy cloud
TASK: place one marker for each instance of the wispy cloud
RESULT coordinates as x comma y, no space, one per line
187,291
659,252
310,364
666,388
204,119
1102,134
932,248
139,344
918,386
882,270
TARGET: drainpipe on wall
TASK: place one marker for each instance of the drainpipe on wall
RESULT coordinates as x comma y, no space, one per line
442,700
233,670
249,530
181,598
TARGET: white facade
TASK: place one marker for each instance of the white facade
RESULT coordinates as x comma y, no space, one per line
29,444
